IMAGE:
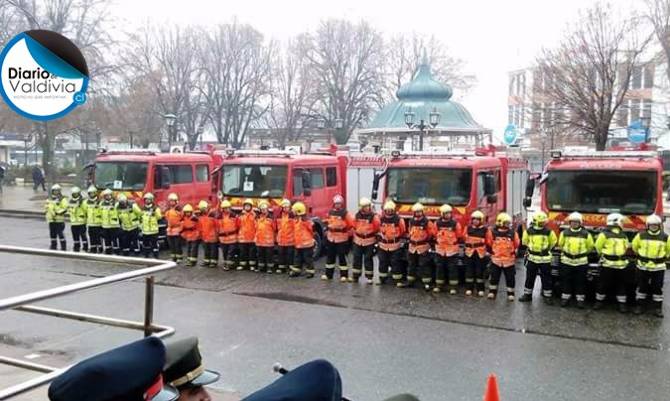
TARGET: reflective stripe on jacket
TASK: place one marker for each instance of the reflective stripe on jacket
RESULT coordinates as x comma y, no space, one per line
129,216
150,216
265,231
612,245
76,210
109,216
189,228
339,224
539,242
227,227
391,231
652,250
575,246
285,228
366,226
304,233
475,240
503,245
419,233
448,234
93,213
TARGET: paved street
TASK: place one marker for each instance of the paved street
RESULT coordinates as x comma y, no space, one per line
384,340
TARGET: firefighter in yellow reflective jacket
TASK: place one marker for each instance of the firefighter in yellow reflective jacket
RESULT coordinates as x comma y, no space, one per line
576,244
539,240
55,209
652,247
129,218
109,218
94,220
151,213
612,246
76,210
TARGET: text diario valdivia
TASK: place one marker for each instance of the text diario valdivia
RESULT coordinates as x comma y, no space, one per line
37,80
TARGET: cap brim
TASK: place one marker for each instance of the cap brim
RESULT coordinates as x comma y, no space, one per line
168,393
207,377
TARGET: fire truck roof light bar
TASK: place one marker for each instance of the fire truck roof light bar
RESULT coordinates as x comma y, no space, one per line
150,152
251,152
559,154
397,154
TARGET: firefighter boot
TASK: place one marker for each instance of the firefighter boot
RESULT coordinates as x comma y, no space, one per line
658,309
623,308
526,298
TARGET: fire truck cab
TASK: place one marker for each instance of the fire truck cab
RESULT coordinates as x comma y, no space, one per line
598,183
468,181
312,178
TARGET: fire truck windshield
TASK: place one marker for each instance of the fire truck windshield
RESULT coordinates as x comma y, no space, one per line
630,192
254,180
431,186
129,176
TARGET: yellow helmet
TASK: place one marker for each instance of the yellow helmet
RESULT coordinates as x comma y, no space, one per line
364,202
249,201
188,208
285,203
299,209
203,205
477,215
445,209
389,205
263,204
503,219
173,197
540,218
417,207
225,204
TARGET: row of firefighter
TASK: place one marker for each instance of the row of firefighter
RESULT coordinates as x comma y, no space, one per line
419,250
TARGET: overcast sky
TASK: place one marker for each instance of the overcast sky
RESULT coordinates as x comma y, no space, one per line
492,36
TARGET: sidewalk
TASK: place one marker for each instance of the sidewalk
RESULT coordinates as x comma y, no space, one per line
22,198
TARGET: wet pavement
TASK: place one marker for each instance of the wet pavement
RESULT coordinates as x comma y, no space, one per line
384,340
23,198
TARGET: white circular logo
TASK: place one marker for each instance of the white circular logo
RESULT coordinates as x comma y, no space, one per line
43,76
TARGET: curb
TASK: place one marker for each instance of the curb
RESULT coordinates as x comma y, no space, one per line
25,214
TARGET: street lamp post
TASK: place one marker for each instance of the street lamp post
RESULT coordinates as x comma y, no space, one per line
334,129
646,124
26,138
433,121
171,121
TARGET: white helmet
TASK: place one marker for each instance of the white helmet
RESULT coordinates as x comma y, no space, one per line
615,219
574,216
653,219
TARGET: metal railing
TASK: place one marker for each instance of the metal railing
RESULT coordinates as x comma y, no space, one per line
22,303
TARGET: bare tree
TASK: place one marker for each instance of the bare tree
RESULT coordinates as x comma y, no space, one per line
658,13
586,77
293,95
405,53
348,62
237,68
168,57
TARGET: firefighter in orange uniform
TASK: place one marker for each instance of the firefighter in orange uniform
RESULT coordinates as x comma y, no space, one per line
304,242
366,227
208,234
419,233
391,231
246,236
502,243
338,226
265,238
190,234
448,236
227,227
475,252
173,219
285,237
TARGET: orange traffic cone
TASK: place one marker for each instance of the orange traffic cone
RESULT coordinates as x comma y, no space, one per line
491,392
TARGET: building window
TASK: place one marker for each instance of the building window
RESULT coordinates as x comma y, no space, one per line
649,76
536,116
634,109
622,115
636,78
646,108
511,84
546,115
510,114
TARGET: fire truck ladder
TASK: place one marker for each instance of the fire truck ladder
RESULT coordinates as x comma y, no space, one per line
22,303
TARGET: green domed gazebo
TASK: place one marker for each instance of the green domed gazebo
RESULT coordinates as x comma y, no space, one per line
423,96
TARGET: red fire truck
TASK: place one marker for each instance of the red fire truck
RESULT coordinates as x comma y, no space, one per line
482,179
598,183
313,178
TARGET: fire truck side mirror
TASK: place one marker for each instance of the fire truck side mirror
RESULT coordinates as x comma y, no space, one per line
165,177
306,183
375,184
530,187
489,185
527,202
492,198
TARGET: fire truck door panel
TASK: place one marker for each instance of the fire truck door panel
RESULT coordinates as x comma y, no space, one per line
359,184
318,200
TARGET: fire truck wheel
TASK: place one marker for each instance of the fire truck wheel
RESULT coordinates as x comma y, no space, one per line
318,244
